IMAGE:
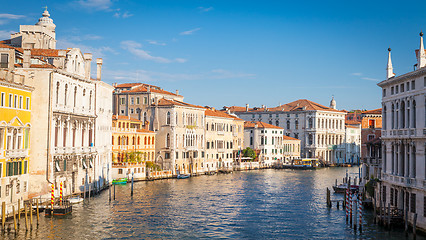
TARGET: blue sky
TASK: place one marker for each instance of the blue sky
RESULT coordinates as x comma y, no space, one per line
227,52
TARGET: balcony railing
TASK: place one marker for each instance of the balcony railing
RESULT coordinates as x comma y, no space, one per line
16,153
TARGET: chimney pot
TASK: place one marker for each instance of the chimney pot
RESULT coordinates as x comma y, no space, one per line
99,68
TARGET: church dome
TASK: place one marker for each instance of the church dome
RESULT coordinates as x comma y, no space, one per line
46,20
333,103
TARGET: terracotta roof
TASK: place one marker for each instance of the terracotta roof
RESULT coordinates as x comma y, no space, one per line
235,108
119,117
289,138
251,124
171,102
5,46
216,113
127,85
352,122
144,131
41,66
145,89
298,105
375,111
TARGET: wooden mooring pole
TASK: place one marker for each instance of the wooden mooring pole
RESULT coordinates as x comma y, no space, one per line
414,224
30,206
114,192
38,213
3,215
109,191
26,217
14,218
131,193
19,210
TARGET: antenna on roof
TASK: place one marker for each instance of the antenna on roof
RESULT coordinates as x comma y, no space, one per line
45,7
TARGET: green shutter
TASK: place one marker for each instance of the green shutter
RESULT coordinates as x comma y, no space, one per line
26,138
25,167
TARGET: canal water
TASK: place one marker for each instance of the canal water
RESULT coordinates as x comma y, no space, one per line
264,204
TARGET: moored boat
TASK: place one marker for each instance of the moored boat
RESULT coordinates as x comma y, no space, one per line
75,200
183,176
119,181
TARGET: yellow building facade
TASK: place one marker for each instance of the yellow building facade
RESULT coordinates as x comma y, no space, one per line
132,147
15,126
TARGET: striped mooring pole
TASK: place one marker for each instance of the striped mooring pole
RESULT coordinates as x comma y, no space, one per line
360,212
350,208
60,194
347,205
52,198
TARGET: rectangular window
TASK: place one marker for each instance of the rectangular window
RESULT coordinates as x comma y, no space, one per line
167,155
21,99
3,99
402,87
137,100
413,85
384,194
391,90
10,100
396,89
27,103
391,196
177,155
120,171
123,101
145,100
132,100
25,167
384,93
4,60
413,203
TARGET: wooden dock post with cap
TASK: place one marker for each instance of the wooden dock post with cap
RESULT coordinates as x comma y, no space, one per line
38,213
3,215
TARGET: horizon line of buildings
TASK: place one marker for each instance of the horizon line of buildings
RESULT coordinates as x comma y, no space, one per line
58,124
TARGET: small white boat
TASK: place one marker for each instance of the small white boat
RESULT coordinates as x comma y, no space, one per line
75,200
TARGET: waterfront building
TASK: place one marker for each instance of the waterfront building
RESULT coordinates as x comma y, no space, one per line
132,146
180,140
64,110
371,124
351,147
15,134
136,100
224,140
403,139
291,149
268,139
319,128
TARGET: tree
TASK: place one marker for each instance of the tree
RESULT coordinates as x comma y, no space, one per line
248,152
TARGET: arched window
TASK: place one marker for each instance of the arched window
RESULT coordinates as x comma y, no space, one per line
393,117
139,140
414,113
133,141
402,112
384,118
119,140
75,96
168,140
90,100
112,140
277,123
144,117
297,124
144,141
310,123
152,140
310,139
149,140
413,165
65,96
261,140
168,118
288,124
57,92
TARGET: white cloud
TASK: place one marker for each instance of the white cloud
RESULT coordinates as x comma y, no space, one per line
5,34
153,42
190,32
118,14
96,51
356,74
10,16
97,5
205,9
370,79
150,76
136,49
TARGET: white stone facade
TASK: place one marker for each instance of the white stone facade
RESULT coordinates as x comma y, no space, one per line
404,140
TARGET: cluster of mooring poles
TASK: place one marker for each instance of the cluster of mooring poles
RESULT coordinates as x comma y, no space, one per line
109,189
27,210
352,202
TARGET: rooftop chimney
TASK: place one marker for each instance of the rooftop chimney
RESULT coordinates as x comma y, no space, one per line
27,58
99,68
177,92
247,107
87,65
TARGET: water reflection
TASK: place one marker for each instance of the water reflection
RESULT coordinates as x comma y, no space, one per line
267,204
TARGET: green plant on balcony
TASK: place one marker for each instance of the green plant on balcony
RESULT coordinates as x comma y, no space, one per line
191,126
152,166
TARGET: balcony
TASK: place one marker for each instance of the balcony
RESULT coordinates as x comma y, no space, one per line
16,153
402,181
374,161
